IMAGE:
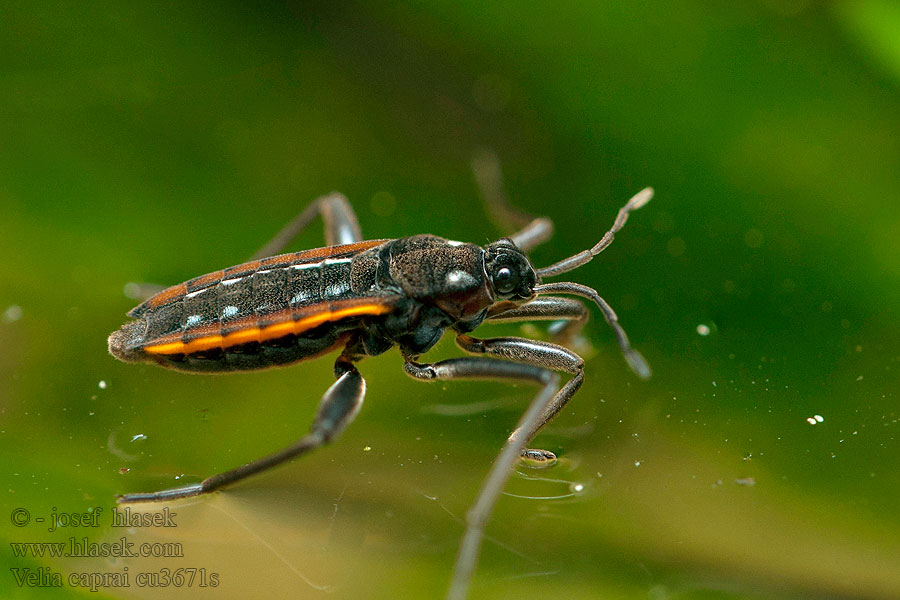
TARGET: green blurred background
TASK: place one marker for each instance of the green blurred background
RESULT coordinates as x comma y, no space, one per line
162,141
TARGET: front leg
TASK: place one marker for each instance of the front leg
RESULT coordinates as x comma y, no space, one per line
569,315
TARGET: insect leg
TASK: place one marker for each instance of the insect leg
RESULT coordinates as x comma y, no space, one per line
533,231
338,407
341,226
635,360
540,354
571,315
478,515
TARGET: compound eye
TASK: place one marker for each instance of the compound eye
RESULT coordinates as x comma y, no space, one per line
505,281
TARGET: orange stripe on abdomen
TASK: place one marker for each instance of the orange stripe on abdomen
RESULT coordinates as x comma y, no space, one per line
270,332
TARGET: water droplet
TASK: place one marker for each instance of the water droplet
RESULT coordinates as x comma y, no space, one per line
13,313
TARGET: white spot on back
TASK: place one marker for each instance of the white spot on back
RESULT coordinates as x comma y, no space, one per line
229,311
336,289
459,279
193,320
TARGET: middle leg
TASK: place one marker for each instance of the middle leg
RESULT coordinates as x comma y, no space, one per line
532,230
539,354
478,515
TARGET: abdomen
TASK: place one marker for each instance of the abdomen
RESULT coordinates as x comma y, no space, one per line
260,314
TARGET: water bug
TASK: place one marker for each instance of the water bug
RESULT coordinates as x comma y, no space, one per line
362,298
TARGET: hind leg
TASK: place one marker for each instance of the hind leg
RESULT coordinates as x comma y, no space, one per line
337,409
341,225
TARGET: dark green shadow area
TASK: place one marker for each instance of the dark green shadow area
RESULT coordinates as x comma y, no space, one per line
160,142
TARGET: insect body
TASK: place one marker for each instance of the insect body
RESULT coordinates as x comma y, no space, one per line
365,297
